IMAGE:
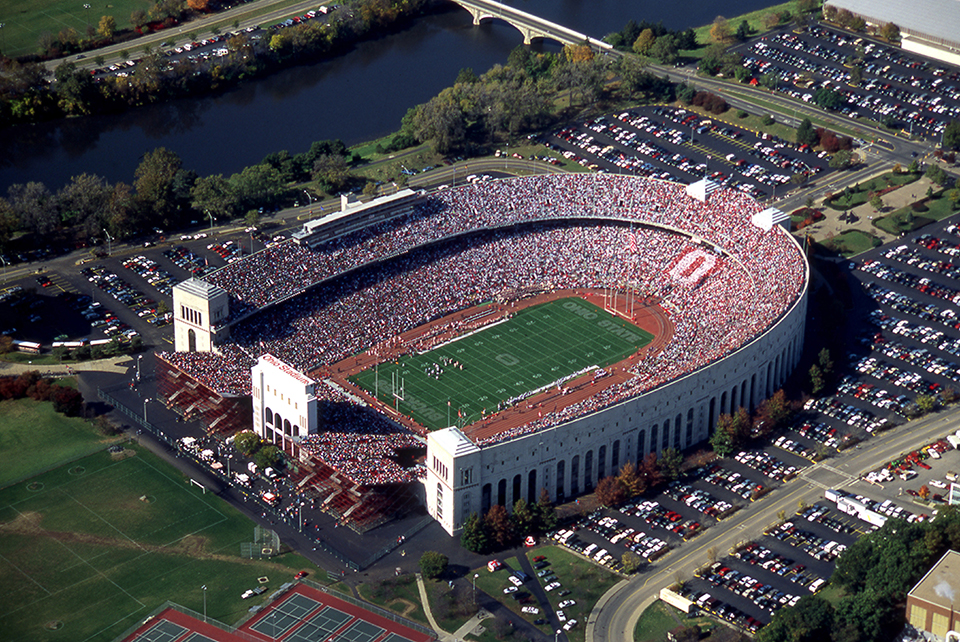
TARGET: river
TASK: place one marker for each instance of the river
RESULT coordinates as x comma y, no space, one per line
360,95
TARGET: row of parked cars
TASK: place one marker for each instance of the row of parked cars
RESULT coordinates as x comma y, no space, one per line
186,259
152,273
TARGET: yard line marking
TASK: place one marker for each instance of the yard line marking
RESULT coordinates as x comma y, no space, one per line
25,574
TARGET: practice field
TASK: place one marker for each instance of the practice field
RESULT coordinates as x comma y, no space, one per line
89,549
25,21
533,350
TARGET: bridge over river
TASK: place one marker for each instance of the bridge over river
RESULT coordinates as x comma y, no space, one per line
531,26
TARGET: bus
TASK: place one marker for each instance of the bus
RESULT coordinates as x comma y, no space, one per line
27,346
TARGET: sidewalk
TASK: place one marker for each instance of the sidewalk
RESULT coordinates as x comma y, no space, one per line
892,201
118,365
468,627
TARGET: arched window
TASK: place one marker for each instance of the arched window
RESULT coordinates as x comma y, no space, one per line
602,462
588,471
191,340
561,465
502,492
532,487
575,475
615,457
517,480
485,498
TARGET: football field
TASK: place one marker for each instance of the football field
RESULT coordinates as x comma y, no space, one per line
531,351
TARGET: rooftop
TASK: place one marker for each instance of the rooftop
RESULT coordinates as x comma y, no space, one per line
937,19
200,288
941,584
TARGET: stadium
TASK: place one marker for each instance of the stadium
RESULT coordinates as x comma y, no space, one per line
474,346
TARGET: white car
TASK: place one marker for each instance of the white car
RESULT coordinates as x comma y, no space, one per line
561,616
569,625
566,603
532,610
552,585
936,483
515,580
510,589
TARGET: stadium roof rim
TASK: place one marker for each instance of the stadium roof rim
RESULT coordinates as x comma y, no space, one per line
936,20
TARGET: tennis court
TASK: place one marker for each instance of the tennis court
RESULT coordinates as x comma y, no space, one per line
302,614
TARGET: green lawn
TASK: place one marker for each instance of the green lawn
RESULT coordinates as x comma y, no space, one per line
586,581
906,219
535,348
659,618
398,594
97,544
33,437
851,243
860,194
25,21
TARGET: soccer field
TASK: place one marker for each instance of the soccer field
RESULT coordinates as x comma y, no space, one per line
539,346
91,548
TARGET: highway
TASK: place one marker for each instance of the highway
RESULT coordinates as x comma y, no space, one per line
615,616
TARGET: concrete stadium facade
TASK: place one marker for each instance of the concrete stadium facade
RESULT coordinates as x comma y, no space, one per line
571,458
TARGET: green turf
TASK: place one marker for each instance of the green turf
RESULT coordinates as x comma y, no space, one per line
539,345
34,437
97,544
25,21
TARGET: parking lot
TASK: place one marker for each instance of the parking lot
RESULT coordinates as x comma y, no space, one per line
897,88
123,296
679,145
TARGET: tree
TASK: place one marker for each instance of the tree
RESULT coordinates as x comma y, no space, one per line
856,75
924,492
216,195
951,135
578,53
721,442
610,492
890,32
107,27
138,18
631,562
773,413
246,442
926,403
743,30
720,31
811,620
82,203
936,174
816,379
644,42
332,171
474,536
632,484
649,471
31,204
267,456
827,98
500,526
256,186
665,49
163,186
806,134
433,564
545,513
199,5
842,159
876,202
523,517
669,464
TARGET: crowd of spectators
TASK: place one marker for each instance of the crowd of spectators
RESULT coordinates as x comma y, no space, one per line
722,280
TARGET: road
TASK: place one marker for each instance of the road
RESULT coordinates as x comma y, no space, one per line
201,27
614,619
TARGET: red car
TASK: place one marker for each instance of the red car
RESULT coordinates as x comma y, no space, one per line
300,575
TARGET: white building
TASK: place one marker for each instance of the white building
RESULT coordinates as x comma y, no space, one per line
284,403
198,307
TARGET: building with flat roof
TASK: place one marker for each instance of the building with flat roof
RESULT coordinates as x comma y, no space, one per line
932,605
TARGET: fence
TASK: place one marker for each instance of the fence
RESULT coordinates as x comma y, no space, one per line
137,417
373,609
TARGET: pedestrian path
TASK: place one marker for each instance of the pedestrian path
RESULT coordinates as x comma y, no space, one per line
469,626
114,364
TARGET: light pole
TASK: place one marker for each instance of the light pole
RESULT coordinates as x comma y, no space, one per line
204,587
109,242
210,216
475,576
1,258
139,359
145,402
556,636
309,197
